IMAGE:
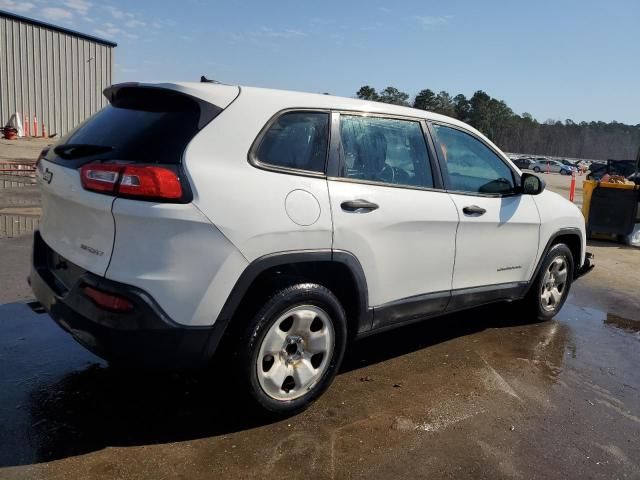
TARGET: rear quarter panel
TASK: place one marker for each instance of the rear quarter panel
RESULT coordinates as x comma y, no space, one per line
247,203
174,253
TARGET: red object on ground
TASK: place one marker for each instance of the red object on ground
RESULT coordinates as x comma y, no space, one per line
44,130
10,133
548,167
572,189
26,126
35,126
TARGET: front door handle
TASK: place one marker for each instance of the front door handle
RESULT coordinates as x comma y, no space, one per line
362,206
474,210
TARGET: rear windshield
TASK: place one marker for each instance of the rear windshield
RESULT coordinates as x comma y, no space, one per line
142,125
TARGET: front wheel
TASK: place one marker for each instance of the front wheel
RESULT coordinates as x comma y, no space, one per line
536,169
551,287
292,348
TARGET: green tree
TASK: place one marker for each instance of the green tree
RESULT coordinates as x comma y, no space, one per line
479,111
394,96
445,104
462,107
523,134
367,93
425,100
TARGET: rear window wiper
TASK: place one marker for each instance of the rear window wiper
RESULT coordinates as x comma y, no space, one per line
78,150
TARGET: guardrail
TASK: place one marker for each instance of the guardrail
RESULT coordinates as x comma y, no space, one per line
17,174
18,168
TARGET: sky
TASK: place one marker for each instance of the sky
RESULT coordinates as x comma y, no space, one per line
555,59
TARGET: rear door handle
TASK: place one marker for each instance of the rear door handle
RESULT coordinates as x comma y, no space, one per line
474,210
363,206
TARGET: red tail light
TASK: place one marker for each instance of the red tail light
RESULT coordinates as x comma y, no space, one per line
108,301
143,181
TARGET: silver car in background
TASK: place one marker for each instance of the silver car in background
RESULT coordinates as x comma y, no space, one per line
551,166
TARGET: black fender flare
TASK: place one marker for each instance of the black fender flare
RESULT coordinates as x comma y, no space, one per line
266,262
550,242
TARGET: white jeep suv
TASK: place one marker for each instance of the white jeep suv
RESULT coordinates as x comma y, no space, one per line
184,217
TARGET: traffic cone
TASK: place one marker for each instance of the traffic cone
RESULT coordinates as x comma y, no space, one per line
44,130
35,126
572,188
26,126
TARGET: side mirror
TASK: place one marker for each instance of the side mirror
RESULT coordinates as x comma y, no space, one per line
531,184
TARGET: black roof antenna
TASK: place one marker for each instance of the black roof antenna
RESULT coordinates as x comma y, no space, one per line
204,79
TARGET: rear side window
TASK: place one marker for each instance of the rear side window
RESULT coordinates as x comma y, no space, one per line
384,150
296,140
142,125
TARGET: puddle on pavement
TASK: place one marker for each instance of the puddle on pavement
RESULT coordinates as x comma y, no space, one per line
60,401
625,324
16,225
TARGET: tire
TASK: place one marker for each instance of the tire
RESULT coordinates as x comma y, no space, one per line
541,302
536,169
275,362
564,172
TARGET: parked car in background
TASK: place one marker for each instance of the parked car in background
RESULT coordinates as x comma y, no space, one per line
552,166
279,226
522,163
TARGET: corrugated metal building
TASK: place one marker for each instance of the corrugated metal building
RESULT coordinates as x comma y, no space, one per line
51,72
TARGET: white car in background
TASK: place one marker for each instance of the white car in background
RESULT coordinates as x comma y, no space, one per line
277,226
551,166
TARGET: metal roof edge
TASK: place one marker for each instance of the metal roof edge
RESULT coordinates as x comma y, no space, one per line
20,18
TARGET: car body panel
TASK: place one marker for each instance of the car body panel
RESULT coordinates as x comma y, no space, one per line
558,214
498,246
76,223
406,247
173,252
216,162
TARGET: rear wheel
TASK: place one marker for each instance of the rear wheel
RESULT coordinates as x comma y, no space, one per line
292,348
536,169
551,287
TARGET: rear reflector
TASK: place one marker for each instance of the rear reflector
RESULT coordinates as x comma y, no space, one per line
108,301
145,182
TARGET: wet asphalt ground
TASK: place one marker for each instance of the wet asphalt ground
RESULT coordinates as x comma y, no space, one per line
481,394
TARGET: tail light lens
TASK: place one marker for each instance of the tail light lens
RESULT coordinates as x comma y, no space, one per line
148,182
108,301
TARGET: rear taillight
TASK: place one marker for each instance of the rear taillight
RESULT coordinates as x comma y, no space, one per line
100,177
149,182
108,301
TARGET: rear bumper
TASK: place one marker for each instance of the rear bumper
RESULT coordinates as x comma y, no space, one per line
587,266
146,336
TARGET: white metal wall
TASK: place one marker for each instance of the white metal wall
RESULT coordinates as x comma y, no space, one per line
57,77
